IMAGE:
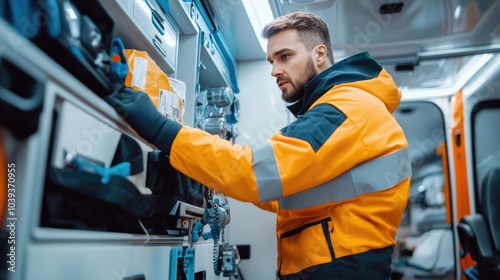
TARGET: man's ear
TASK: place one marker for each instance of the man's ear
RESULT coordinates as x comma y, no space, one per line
321,55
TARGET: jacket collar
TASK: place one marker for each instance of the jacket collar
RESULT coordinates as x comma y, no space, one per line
354,68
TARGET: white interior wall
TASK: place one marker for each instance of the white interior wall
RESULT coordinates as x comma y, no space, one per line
262,113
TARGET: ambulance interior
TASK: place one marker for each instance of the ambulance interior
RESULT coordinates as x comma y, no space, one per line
443,55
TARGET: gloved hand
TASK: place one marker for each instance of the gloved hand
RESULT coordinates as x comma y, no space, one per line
139,111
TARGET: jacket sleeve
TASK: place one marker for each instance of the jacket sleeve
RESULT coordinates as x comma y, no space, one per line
287,164
317,147
216,163
271,206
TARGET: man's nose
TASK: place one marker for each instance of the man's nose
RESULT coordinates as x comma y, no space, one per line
276,71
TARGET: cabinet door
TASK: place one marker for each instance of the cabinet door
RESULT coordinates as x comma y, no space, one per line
96,261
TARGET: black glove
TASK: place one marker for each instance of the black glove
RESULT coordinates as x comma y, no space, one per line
139,111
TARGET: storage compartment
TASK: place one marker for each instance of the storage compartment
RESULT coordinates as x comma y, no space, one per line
214,73
100,179
162,35
219,65
82,44
183,13
84,261
144,26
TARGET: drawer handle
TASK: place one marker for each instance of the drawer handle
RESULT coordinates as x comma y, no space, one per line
157,22
156,19
135,277
158,46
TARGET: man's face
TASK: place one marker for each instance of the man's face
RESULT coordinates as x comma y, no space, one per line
293,64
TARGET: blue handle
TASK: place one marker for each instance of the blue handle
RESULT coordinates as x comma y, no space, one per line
121,169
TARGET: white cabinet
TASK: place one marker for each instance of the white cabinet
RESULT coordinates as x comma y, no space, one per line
80,261
74,117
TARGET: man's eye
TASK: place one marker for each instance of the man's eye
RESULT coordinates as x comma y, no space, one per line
285,56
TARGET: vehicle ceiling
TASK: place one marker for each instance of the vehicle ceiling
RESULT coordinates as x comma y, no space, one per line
423,44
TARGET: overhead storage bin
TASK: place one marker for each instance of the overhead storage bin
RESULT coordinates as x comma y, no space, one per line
183,12
144,26
158,29
214,50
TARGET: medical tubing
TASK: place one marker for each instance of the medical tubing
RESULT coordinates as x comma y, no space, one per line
215,257
215,236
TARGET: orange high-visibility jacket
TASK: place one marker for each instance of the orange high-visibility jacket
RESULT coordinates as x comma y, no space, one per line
338,177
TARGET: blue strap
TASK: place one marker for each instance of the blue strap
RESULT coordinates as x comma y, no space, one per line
118,69
53,17
121,169
471,273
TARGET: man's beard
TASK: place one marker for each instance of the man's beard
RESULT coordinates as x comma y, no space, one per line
297,91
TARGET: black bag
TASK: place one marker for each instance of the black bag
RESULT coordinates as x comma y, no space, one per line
78,199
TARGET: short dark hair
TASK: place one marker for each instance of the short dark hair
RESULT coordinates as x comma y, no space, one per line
312,29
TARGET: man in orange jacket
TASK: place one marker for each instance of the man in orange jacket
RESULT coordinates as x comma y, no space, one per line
338,177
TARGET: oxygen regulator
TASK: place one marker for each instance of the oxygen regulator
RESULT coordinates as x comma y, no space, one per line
217,215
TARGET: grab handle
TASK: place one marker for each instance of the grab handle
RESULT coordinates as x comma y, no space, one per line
21,100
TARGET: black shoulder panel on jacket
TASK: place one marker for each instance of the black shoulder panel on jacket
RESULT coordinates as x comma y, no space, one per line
358,67
316,126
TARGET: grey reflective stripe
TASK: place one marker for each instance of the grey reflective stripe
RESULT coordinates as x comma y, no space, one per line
267,175
372,176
